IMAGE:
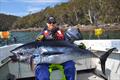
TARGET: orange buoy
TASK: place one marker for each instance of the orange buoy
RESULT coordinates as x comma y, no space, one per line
5,34
0,34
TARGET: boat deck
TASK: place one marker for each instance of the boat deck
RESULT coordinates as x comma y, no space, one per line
87,75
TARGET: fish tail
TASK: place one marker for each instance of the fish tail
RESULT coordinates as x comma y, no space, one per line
104,57
31,64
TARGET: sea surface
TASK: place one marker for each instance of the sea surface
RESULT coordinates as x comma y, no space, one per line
25,37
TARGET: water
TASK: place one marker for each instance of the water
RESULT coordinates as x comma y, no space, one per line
25,37
19,37
106,35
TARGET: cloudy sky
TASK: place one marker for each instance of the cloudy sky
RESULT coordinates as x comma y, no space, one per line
24,7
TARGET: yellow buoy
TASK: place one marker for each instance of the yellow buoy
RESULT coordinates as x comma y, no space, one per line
98,32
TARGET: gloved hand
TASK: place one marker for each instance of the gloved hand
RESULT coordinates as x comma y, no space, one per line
40,37
82,46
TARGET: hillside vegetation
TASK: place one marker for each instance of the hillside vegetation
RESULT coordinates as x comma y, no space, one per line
74,12
6,21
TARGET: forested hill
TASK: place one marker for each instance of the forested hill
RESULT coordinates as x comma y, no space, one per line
6,21
74,12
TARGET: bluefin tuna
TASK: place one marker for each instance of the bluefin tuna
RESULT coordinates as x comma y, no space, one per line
56,52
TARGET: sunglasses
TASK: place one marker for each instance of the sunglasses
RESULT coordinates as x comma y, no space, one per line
51,23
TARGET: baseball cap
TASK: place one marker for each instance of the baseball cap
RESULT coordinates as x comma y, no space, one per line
51,19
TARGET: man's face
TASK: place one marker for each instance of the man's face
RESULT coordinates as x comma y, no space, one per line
51,26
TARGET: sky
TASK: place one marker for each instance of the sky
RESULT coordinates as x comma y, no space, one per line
25,7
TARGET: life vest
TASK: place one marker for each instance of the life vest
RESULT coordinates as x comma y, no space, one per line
58,35
5,34
46,33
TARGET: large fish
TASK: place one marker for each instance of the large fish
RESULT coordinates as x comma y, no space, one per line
50,51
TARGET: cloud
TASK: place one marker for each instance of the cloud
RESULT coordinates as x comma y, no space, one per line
14,13
37,5
43,1
34,9
23,7
33,1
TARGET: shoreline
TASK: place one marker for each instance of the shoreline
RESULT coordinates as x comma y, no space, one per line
83,28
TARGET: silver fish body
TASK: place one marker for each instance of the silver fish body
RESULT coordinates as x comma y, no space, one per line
60,55
51,51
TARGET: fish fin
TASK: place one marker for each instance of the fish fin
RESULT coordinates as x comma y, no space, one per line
31,64
101,75
13,58
51,53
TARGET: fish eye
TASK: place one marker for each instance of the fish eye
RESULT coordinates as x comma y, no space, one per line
20,53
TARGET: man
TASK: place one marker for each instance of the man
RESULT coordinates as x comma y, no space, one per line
53,32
